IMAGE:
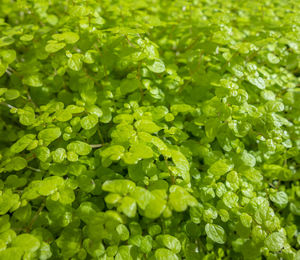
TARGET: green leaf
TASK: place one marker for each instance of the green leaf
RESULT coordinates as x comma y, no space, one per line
27,242
159,112
122,232
95,248
42,153
17,163
22,143
33,80
169,242
90,97
69,242
129,85
274,106
156,66
74,109
74,62
220,167
70,37
128,206
181,164
211,128
141,151
280,199
114,152
246,220
273,58
66,196
8,56
257,81
63,115
3,67
79,148
146,244
181,108
4,223
161,146
89,121
275,241
94,110
126,253
12,253
27,116
180,199
123,134
88,57
216,233
248,159
86,211
295,208
12,94
26,37
59,155
49,135
49,185
230,199
6,40
86,183
155,207
165,254
54,47
113,198
118,186
252,174
141,196
268,95
146,126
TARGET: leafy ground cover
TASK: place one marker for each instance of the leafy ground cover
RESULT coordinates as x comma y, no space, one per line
149,129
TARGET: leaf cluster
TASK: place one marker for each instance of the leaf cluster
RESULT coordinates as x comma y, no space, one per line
149,129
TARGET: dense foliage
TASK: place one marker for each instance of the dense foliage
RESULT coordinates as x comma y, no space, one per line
147,129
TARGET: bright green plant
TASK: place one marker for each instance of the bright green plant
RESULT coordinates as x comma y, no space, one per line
148,129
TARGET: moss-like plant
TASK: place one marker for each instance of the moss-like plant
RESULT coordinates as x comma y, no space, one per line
149,129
